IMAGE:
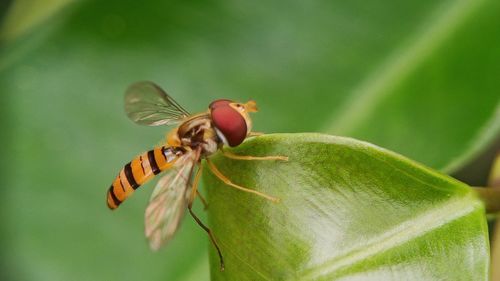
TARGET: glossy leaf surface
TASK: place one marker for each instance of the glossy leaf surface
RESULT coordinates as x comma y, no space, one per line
349,211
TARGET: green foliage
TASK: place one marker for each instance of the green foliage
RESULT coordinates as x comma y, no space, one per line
436,99
418,77
348,210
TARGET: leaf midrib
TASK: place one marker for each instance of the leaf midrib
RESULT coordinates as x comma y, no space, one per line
459,206
398,235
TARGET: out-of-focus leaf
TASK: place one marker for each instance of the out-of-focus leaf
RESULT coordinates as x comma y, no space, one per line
303,62
436,98
24,15
349,211
412,70
494,184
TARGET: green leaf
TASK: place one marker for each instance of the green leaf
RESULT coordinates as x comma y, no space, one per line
24,15
308,64
349,210
412,70
435,98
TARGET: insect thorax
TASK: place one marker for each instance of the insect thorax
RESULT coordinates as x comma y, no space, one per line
198,132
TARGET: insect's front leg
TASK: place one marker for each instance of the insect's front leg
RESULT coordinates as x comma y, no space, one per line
248,157
255,134
227,181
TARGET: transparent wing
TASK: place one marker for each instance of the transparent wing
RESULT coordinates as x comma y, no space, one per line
147,104
169,201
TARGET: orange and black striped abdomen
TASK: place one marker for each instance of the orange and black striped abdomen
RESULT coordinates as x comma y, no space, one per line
140,170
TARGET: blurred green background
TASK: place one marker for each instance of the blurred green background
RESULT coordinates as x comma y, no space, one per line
419,78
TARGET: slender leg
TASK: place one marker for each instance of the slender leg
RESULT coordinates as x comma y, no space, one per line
212,237
223,178
255,134
203,201
194,189
246,157
198,221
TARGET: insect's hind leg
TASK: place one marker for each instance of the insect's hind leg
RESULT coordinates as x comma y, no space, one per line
210,234
203,200
248,157
194,191
227,181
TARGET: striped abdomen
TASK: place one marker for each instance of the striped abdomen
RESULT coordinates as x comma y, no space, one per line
140,170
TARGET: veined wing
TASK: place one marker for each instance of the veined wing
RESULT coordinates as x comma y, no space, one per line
169,201
147,104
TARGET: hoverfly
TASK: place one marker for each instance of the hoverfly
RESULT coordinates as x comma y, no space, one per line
195,138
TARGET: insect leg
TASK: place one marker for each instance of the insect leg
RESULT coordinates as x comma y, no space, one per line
255,134
203,201
194,190
227,181
247,157
212,237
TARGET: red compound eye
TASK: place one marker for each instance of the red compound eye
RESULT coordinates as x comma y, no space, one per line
217,103
229,122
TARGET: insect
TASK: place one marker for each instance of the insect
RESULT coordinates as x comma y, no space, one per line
197,137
